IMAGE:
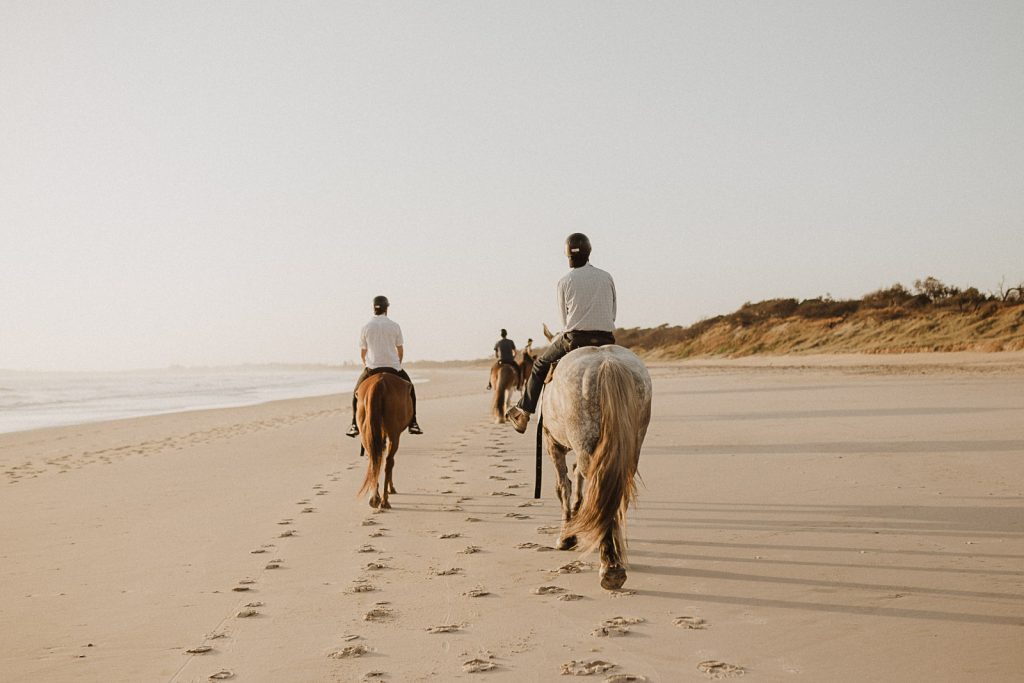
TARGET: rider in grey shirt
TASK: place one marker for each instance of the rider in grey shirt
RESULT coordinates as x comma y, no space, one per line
586,304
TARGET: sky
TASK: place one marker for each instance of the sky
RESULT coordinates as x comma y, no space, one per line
197,183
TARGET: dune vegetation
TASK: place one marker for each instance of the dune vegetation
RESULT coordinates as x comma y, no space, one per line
931,316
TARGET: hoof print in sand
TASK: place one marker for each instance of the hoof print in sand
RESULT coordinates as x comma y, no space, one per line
548,590
477,665
589,668
286,534
476,593
375,566
247,612
626,678
502,493
363,588
448,572
445,628
201,650
695,623
517,515
350,651
453,534
308,510
258,603
574,567
622,593
366,549
547,529
716,669
273,565
609,631
378,614
222,675
570,597
258,551
470,550
528,545
241,589
473,519
369,522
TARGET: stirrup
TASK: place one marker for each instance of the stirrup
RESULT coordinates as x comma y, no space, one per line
353,430
415,429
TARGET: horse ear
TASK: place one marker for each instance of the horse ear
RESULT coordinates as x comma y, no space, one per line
547,333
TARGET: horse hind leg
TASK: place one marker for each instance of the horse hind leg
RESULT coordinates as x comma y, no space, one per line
613,570
563,487
389,466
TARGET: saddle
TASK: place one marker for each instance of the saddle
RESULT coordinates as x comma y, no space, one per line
377,371
577,339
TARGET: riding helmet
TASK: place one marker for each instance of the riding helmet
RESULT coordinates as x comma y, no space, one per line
578,244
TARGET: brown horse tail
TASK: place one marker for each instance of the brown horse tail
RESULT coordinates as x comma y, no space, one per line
610,485
375,430
498,404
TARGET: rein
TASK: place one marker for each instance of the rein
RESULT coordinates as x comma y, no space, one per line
540,452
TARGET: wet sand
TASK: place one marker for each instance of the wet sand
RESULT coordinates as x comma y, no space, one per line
808,518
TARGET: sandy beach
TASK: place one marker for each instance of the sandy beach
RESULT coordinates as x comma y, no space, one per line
805,518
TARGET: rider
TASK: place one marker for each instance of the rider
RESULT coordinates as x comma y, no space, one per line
586,302
381,346
505,352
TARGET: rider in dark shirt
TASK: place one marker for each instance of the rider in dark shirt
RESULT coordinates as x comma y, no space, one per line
505,352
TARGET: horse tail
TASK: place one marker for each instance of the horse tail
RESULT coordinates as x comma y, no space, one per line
498,404
373,429
610,485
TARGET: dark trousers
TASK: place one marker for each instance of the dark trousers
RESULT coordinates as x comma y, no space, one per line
366,373
531,394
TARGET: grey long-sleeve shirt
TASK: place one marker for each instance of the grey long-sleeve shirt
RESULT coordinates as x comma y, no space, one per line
586,300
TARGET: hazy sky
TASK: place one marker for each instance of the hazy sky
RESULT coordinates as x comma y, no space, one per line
226,182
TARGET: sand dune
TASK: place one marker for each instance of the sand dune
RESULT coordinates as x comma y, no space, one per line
832,519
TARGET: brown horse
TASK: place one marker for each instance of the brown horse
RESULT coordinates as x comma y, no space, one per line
525,368
383,411
504,378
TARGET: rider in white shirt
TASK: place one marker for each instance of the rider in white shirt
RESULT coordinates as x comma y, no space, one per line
381,347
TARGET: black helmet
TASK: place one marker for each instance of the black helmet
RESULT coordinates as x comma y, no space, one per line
381,302
577,246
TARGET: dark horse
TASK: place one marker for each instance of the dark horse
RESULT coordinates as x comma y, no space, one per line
383,411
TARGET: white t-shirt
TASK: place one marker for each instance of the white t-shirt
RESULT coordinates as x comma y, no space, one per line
380,337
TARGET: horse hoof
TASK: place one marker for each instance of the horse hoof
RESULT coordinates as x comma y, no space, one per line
375,502
567,543
613,578
387,506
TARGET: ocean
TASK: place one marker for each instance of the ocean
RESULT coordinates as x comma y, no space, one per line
30,400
